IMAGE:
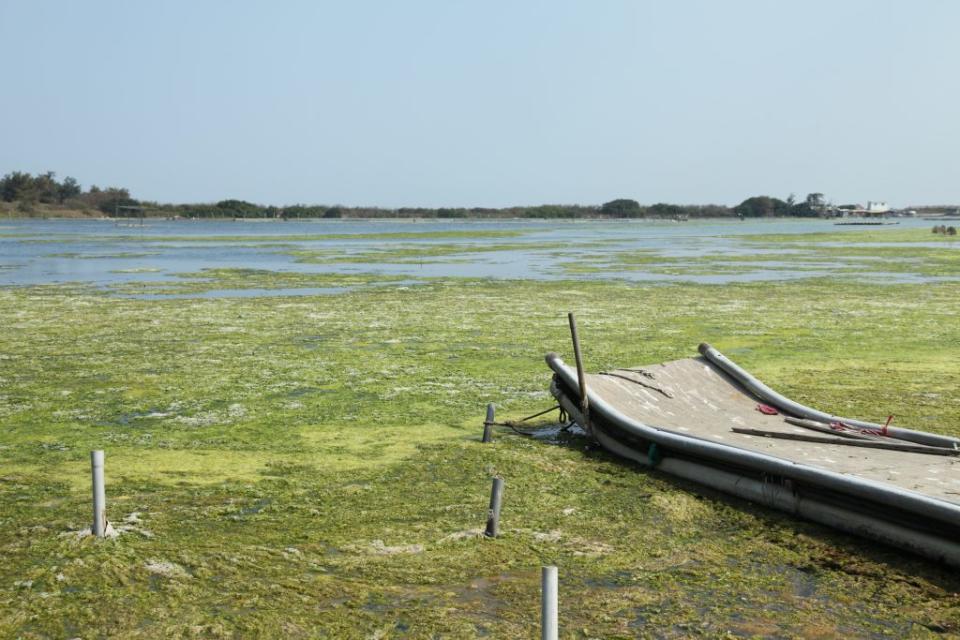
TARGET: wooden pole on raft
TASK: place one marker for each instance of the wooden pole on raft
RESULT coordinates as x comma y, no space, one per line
548,603
581,374
488,424
493,514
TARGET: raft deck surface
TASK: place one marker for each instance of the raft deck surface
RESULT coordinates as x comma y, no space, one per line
694,398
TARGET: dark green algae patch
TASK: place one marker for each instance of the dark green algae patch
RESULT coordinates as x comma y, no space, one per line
310,467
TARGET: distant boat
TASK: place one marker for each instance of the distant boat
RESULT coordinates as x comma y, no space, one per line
710,422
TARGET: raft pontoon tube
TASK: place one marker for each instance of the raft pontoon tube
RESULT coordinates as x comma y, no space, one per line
678,417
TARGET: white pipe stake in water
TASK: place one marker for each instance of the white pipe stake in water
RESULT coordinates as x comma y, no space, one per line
548,612
99,495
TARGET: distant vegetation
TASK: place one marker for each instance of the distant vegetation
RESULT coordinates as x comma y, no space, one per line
766,206
23,194
43,192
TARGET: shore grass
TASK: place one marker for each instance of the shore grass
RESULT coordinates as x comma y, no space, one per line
310,466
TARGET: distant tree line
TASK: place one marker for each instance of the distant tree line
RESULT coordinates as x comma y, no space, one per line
29,191
243,209
626,208
767,206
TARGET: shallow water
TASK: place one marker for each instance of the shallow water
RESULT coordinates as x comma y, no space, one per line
106,253
240,293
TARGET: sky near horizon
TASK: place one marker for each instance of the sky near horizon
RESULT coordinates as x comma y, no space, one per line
454,103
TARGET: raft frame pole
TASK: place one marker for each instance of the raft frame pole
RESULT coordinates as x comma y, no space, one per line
768,396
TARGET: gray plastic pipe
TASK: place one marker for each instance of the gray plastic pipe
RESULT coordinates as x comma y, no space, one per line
99,527
771,397
780,498
488,423
493,513
698,447
548,603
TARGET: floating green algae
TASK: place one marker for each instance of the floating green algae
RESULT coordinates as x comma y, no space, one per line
911,253
466,234
411,253
311,467
871,235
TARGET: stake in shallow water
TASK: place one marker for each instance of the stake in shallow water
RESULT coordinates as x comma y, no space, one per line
493,515
488,424
549,628
99,495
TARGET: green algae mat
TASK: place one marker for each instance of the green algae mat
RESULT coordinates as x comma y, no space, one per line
310,466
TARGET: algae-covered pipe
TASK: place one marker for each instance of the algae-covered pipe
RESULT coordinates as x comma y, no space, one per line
771,397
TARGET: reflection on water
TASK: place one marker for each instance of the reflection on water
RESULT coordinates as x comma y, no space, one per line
105,253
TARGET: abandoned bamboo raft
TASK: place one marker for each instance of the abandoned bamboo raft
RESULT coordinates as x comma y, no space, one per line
707,420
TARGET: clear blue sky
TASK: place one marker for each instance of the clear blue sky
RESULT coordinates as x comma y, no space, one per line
448,103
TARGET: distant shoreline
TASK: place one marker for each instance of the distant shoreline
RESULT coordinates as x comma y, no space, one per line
100,217
23,195
413,220
221,212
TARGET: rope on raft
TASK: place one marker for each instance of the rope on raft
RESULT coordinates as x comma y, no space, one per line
512,424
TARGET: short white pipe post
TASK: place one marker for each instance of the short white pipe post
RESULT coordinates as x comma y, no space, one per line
99,495
549,629
493,514
488,424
